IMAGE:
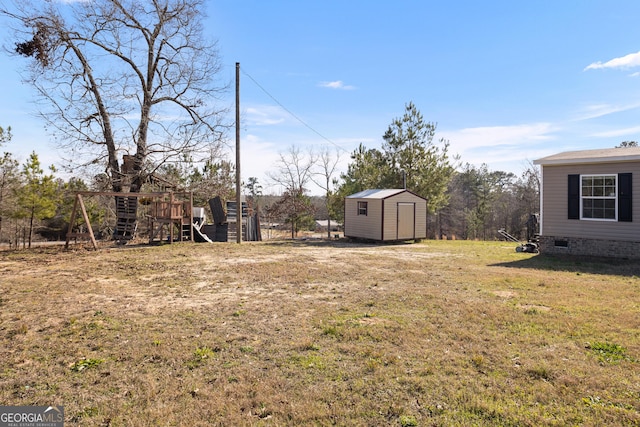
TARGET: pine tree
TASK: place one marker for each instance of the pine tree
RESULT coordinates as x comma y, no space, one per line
415,160
38,198
410,158
9,182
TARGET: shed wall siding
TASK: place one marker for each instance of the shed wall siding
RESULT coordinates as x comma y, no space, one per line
391,215
555,204
421,219
364,227
383,210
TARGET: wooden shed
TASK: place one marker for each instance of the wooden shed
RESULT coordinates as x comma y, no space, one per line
385,215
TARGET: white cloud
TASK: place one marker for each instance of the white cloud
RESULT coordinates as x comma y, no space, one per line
599,110
492,136
505,148
508,159
618,132
338,84
624,62
265,115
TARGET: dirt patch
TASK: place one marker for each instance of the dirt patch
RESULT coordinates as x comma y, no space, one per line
505,294
533,307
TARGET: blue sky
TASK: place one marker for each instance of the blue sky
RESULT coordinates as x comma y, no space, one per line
507,82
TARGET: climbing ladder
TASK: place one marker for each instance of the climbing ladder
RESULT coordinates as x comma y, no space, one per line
235,224
126,219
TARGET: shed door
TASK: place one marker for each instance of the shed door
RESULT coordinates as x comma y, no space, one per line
406,220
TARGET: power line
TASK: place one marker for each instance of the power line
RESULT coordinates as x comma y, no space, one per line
289,111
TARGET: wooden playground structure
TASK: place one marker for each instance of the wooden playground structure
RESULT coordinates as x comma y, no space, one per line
169,215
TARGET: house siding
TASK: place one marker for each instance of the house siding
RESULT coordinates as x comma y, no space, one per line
559,234
555,204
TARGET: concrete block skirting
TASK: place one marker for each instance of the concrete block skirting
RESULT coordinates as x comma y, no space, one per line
559,245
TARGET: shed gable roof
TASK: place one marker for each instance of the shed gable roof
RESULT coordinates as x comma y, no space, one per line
375,194
380,193
603,155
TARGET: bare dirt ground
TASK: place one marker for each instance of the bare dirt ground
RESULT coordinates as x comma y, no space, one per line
320,333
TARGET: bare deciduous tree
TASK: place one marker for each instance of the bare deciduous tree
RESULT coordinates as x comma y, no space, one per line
327,165
123,78
5,135
294,171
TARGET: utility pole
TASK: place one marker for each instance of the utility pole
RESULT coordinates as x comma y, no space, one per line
238,189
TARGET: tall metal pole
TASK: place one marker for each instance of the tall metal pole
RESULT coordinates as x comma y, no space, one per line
238,198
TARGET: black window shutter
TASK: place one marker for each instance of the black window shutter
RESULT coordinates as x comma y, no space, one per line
574,197
624,197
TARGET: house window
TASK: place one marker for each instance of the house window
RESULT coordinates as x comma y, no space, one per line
362,208
598,194
600,197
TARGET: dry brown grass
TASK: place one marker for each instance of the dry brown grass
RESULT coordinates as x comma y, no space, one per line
321,333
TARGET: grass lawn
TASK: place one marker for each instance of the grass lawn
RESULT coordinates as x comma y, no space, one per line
439,333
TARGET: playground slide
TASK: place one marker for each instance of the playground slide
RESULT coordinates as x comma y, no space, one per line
196,228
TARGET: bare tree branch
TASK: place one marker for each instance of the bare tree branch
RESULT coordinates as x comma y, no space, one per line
124,77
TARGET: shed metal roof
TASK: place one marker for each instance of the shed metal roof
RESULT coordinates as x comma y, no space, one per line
603,155
323,223
376,193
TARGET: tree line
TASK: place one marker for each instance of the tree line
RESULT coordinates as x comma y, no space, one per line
464,201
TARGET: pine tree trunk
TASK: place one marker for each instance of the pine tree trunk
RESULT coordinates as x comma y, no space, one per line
31,227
